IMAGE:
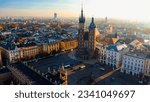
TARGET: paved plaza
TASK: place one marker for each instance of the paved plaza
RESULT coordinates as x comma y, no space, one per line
85,76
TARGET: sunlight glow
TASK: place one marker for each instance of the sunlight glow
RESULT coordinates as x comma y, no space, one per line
122,9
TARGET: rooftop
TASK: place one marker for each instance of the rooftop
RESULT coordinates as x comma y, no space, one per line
27,44
140,55
37,79
116,47
8,45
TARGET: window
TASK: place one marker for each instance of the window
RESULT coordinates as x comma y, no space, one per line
86,36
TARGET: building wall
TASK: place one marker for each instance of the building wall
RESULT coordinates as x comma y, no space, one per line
53,47
4,55
1,63
24,53
68,45
101,53
92,41
147,66
113,58
21,53
13,55
132,65
31,52
49,48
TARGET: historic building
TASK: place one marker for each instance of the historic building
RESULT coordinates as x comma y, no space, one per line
86,39
101,52
66,45
114,55
147,65
51,48
30,51
135,63
0,59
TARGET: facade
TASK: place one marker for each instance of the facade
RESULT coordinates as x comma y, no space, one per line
134,63
21,52
5,55
31,51
68,45
50,48
114,55
86,39
101,49
147,66
1,63
24,52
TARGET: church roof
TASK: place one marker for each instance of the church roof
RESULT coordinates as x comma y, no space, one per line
116,47
81,18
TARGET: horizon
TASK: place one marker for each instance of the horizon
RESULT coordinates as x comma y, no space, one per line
116,9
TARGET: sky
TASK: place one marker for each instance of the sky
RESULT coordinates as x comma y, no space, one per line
122,9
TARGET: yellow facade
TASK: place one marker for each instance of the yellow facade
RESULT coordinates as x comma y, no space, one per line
53,47
50,48
147,67
0,59
31,52
68,45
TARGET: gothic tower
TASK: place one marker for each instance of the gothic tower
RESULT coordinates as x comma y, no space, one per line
86,39
92,37
81,30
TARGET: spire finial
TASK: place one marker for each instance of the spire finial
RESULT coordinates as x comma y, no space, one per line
82,18
92,25
81,9
93,19
82,6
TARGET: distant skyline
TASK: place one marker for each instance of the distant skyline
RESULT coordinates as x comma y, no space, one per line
119,9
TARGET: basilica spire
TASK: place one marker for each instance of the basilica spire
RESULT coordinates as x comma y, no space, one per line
82,18
92,25
82,10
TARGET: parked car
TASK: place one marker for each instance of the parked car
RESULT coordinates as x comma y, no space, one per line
103,69
67,66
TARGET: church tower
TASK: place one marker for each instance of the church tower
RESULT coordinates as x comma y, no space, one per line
86,39
81,30
92,37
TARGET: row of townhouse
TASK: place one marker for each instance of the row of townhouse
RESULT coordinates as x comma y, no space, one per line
31,51
111,55
115,56
136,63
